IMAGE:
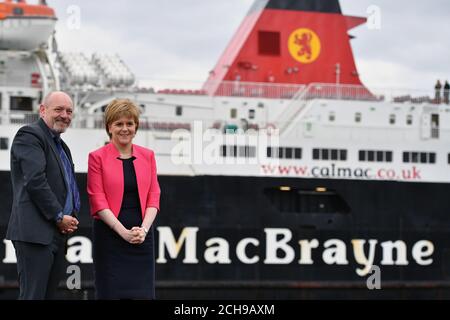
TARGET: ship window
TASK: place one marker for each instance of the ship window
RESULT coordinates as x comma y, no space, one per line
238,151
288,153
372,156
229,151
435,125
295,200
316,154
21,104
269,43
448,158
392,119
409,119
362,155
250,151
284,153
4,143
331,117
419,157
432,157
423,157
233,113
389,156
358,117
329,154
241,151
380,156
280,153
273,152
334,154
406,157
276,152
251,114
178,110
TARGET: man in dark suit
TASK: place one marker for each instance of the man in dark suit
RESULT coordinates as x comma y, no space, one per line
46,198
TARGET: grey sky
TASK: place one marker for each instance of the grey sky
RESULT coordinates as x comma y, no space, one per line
182,39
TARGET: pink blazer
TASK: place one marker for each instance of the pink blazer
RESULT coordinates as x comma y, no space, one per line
105,181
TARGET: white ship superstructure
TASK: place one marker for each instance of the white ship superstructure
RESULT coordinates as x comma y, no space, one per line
333,161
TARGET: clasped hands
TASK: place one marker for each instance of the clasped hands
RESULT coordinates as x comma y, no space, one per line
135,235
68,224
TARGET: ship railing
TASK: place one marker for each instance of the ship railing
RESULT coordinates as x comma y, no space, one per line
255,89
94,121
220,88
286,91
83,120
19,118
362,93
344,92
168,125
338,91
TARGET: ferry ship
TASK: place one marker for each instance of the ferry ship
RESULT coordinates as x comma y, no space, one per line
283,176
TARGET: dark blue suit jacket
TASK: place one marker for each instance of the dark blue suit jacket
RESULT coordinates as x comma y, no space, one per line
38,184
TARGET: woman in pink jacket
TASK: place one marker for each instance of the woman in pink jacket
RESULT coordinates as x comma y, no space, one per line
124,199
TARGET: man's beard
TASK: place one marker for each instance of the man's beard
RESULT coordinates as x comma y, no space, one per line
60,126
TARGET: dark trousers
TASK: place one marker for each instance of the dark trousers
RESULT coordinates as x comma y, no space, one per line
40,268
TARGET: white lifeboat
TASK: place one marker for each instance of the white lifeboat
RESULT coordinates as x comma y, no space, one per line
25,26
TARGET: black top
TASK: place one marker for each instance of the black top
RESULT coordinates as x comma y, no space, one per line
325,6
130,198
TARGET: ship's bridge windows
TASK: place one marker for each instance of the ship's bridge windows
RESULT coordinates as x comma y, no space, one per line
409,119
238,151
419,157
178,110
294,200
448,158
329,154
284,152
358,117
269,43
21,104
4,143
375,156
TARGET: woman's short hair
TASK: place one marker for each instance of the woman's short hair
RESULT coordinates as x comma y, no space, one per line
119,108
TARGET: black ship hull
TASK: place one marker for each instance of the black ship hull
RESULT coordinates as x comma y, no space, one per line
244,237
